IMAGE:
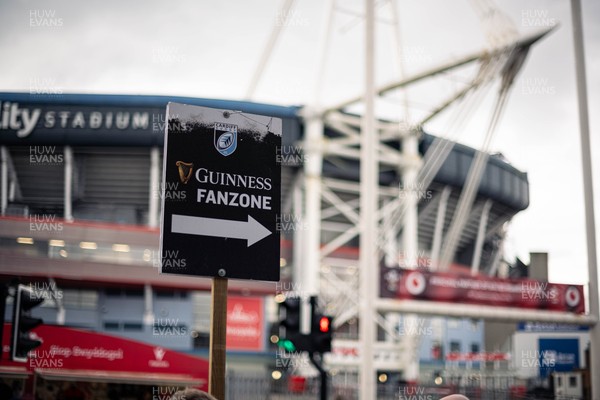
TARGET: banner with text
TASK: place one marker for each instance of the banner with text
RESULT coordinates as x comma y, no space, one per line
422,284
245,316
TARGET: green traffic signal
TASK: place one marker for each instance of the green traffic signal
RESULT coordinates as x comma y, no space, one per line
287,345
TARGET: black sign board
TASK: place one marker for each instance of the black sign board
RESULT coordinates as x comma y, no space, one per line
220,193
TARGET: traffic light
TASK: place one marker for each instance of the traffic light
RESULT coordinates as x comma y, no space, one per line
290,320
22,322
321,333
292,339
291,317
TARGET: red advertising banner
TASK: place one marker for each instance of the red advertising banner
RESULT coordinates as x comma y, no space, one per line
245,317
422,284
74,354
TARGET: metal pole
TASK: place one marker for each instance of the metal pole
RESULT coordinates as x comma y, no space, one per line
369,182
61,312
279,23
391,243
309,275
299,233
399,56
485,213
322,373
323,52
68,194
410,152
155,189
439,227
439,69
495,313
410,244
148,309
410,231
588,191
311,241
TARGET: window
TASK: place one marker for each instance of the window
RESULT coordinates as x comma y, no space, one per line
113,292
201,340
132,326
125,326
474,324
88,298
133,292
166,328
572,381
79,298
111,326
453,323
167,294
171,294
201,304
474,347
118,292
455,347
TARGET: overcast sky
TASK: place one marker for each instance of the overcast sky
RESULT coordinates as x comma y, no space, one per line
203,48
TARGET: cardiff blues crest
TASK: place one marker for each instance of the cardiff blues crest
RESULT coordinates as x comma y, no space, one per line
225,138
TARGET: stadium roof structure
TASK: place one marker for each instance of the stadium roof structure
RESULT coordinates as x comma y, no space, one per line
502,184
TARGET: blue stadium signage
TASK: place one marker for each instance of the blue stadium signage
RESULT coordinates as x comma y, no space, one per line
23,119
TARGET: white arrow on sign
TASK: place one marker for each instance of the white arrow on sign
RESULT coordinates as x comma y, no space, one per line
253,231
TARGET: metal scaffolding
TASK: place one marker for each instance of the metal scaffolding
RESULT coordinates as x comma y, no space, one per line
384,217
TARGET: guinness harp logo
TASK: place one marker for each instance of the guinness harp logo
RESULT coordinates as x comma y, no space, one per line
225,138
185,171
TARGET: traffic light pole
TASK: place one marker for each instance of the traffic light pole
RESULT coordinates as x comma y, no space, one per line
322,372
316,341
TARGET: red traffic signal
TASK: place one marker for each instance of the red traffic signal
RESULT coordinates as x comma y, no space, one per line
321,333
324,324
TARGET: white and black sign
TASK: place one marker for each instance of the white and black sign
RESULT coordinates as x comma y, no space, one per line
220,193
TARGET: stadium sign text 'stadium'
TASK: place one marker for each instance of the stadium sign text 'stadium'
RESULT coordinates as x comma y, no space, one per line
23,120
220,193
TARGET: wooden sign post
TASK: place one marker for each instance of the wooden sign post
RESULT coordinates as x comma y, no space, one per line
218,335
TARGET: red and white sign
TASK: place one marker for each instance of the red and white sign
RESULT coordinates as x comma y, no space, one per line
74,352
245,316
482,290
